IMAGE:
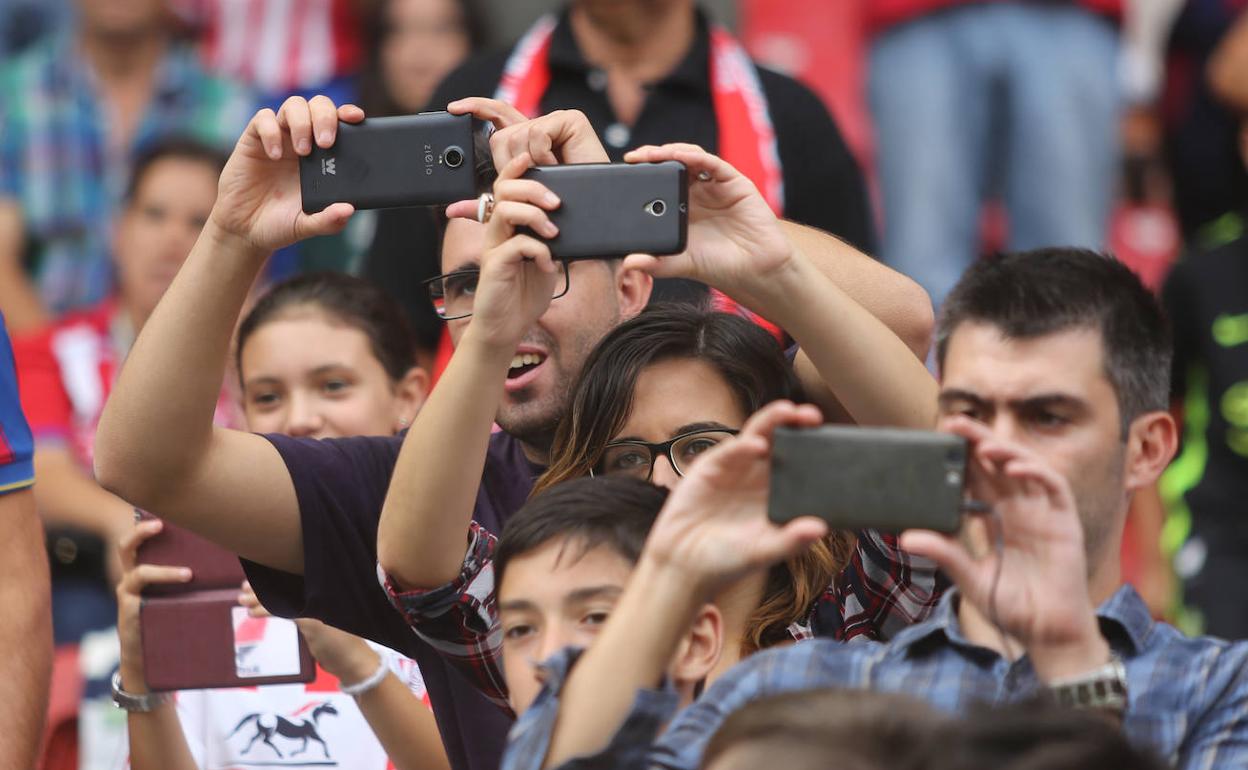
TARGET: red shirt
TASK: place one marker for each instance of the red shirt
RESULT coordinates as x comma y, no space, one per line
66,372
885,13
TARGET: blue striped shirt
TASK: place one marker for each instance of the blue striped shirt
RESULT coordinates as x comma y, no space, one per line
1188,698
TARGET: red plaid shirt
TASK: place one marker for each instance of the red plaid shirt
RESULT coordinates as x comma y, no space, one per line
881,591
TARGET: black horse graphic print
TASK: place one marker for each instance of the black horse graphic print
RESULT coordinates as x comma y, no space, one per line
268,725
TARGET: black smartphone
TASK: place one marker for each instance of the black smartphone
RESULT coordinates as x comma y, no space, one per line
888,479
429,159
614,209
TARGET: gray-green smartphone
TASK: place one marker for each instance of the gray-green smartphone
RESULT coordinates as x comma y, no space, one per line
888,479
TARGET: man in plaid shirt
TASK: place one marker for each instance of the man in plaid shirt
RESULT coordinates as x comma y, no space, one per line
26,635
1055,368
74,109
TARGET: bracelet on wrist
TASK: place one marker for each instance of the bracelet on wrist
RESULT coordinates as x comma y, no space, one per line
367,685
135,703
1101,689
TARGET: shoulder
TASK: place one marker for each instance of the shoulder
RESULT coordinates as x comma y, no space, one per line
360,465
478,76
794,99
1196,670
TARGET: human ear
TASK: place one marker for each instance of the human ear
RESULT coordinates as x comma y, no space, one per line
632,291
1151,442
410,393
699,651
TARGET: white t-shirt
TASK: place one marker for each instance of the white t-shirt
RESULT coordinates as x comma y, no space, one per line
287,725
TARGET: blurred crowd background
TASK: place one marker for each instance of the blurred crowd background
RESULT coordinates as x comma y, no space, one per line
978,126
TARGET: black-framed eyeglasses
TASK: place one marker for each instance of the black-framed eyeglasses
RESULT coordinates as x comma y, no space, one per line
452,294
637,458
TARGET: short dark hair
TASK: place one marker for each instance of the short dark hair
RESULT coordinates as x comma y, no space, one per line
172,148
611,511
347,299
870,730
1035,293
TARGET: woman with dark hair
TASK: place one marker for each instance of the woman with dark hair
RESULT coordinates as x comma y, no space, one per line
689,378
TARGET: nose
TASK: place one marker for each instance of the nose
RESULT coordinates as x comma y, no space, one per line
553,640
664,474
302,418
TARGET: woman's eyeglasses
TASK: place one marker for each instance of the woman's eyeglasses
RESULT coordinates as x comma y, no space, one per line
637,458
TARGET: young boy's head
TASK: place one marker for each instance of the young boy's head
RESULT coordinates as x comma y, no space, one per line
561,564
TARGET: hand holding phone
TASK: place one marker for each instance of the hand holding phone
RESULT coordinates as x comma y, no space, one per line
611,210
428,159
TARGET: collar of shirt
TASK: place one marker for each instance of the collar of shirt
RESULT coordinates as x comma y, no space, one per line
1124,620
693,72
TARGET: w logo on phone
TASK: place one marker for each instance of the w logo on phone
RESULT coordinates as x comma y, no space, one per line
327,167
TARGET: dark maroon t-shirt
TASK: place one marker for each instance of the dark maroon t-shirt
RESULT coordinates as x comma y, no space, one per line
341,484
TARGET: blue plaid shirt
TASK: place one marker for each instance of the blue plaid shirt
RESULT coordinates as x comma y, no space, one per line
59,164
1188,697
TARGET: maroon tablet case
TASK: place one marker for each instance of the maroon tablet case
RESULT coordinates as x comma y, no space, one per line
191,636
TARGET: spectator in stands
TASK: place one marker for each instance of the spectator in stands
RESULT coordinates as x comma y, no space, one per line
240,490
68,369
329,356
969,99
1206,301
1055,367
26,635
416,43
74,110
654,73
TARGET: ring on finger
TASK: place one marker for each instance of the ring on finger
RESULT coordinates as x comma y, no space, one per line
704,176
485,207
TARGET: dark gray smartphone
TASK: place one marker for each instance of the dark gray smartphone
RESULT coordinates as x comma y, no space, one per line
888,479
614,209
429,159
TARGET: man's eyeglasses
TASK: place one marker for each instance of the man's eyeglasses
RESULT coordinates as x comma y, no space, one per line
453,293
637,458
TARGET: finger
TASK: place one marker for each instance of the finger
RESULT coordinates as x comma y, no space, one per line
704,167
1045,480
462,210
649,264
500,113
269,131
527,191
513,214
515,167
971,430
947,551
128,546
324,120
764,422
541,147
519,248
349,113
296,117
154,574
789,540
327,222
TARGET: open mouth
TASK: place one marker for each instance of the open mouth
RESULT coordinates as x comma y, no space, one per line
523,363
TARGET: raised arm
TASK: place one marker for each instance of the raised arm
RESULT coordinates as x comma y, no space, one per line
423,534
850,357
156,446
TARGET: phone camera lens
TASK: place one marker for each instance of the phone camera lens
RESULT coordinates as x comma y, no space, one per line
656,208
453,157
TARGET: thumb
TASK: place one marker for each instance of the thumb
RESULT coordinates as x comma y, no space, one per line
327,222
665,267
947,551
789,540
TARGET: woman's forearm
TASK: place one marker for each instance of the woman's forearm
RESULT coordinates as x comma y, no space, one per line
404,726
849,354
